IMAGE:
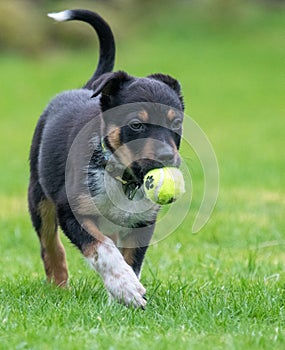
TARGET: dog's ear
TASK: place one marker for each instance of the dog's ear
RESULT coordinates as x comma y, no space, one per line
171,82
168,80
109,83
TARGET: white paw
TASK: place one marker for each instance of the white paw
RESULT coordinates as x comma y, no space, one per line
124,286
119,278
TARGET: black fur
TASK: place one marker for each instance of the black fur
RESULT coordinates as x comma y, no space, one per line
106,41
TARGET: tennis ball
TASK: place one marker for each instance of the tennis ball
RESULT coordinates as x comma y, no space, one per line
164,185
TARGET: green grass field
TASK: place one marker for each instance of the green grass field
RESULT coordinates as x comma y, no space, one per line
223,288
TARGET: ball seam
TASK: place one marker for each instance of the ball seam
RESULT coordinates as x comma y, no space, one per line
158,187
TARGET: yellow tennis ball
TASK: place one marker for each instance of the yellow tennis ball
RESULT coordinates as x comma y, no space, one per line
164,185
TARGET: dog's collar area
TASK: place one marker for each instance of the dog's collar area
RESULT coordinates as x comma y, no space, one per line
115,170
105,151
131,189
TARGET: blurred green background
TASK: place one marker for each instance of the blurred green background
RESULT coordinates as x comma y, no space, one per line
226,54
229,58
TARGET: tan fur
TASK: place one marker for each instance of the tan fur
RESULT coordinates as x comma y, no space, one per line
171,115
85,205
92,229
53,253
143,115
128,254
149,149
114,136
176,153
91,249
125,155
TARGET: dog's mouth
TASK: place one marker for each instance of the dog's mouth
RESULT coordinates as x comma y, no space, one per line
140,168
133,175
130,172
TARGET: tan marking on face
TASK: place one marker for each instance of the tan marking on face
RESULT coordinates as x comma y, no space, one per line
53,253
171,115
148,150
173,144
143,115
114,136
175,150
125,155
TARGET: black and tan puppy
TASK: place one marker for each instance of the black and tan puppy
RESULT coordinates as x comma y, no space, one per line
120,146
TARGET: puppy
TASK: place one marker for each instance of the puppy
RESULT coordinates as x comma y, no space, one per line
90,152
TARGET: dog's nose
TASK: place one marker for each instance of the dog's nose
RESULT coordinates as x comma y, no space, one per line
165,156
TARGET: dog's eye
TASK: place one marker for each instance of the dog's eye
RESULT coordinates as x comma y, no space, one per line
176,124
136,125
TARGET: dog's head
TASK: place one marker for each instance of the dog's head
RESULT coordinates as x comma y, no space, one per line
145,131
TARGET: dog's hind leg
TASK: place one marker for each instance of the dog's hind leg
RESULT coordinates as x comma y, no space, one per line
44,219
103,256
43,214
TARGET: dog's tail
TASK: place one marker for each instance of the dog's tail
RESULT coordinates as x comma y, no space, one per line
105,36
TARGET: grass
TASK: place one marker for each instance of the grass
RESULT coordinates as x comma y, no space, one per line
220,289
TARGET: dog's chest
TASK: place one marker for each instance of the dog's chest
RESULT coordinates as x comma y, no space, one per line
117,213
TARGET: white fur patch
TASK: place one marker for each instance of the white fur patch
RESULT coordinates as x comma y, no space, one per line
60,16
119,278
112,204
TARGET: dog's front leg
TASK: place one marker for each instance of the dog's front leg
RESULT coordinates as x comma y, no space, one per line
134,246
119,278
